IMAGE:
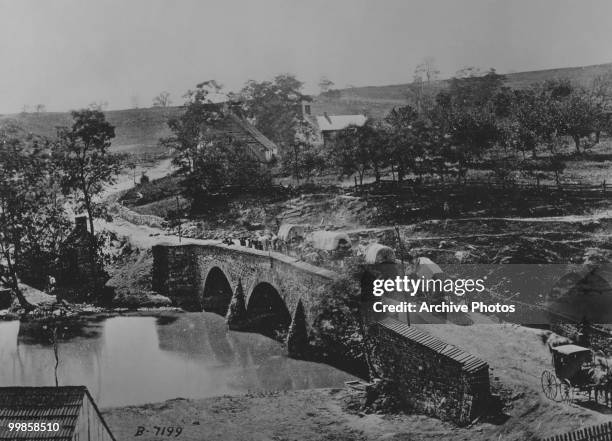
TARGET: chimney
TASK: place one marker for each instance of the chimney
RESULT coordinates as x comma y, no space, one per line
327,117
80,224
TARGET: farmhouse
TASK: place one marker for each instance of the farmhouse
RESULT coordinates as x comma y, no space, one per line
328,126
67,413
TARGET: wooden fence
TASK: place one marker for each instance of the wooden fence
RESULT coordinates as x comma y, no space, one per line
603,432
602,188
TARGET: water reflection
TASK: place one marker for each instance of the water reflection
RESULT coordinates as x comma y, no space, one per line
135,360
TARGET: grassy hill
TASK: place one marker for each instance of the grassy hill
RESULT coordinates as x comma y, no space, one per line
138,130
378,100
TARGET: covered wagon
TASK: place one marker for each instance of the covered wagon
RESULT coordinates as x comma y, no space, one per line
378,253
292,232
330,240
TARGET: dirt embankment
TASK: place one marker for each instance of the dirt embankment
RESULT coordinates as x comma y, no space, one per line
332,414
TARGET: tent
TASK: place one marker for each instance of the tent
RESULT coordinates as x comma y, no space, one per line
426,268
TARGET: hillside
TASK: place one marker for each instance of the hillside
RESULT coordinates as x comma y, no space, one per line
138,130
378,100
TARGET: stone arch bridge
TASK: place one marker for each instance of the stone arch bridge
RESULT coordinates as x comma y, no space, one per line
208,275
279,293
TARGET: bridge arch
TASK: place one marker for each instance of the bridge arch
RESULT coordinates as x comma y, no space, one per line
267,312
217,293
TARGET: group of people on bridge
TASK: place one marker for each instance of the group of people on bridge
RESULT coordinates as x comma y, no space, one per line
264,243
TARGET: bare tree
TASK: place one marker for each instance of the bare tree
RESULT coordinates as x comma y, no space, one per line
98,106
40,108
420,90
427,70
162,100
135,101
325,84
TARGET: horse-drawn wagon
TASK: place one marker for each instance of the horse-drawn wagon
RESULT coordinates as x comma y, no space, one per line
575,372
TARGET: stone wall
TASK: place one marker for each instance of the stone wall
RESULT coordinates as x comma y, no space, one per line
430,376
137,218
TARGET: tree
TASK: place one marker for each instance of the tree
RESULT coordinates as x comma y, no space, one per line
472,132
162,100
579,116
601,97
375,140
40,108
400,139
420,90
325,84
82,152
135,101
203,150
32,219
536,117
472,88
98,105
192,130
303,158
219,164
427,69
274,106
351,152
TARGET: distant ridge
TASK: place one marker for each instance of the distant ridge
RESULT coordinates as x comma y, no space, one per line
380,99
142,128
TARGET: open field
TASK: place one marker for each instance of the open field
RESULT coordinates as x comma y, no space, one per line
137,131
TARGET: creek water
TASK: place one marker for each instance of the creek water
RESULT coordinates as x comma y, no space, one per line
135,360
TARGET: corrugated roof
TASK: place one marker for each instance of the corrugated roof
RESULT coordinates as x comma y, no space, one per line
60,405
339,122
469,362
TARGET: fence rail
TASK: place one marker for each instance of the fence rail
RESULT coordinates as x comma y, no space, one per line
603,432
602,187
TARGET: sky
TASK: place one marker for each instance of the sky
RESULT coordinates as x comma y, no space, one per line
66,54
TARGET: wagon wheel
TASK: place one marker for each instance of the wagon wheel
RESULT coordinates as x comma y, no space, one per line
566,390
549,385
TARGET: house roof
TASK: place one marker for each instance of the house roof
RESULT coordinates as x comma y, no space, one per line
329,123
469,363
256,134
60,405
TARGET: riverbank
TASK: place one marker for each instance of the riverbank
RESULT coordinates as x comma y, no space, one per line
304,415
323,415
